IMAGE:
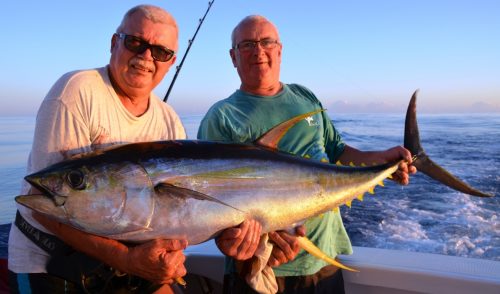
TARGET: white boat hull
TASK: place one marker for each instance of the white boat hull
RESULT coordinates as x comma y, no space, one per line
381,271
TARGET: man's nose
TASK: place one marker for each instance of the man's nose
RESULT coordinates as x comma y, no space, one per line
146,54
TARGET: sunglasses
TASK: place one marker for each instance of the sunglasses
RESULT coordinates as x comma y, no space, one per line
137,45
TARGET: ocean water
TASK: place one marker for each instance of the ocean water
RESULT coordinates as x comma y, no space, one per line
424,216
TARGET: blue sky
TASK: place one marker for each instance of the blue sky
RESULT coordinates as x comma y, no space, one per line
357,56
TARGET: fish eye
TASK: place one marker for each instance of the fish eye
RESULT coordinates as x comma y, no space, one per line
76,179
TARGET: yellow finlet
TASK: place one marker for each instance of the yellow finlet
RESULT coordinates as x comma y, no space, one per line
324,160
180,281
338,162
308,246
336,209
371,190
363,164
348,203
381,183
352,164
360,197
389,176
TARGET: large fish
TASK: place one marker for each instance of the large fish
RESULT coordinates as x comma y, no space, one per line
195,189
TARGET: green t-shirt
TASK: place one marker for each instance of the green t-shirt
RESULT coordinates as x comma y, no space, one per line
243,118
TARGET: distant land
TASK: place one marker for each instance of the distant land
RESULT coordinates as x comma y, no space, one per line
343,106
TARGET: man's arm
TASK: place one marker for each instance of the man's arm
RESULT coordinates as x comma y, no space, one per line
159,261
358,157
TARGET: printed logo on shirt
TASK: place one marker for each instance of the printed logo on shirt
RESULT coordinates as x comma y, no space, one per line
311,122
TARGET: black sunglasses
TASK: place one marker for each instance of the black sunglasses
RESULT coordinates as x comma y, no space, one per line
138,45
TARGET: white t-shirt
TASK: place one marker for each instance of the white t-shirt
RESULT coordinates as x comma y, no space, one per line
82,113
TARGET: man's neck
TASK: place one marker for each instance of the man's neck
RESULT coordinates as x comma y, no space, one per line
136,105
263,91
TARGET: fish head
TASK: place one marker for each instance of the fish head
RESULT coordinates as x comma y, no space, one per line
59,183
98,197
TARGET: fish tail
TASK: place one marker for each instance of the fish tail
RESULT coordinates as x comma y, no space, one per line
423,163
309,246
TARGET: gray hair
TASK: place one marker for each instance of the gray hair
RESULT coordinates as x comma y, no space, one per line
153,13
247,20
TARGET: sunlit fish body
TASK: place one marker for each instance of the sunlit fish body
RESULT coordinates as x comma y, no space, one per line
194,189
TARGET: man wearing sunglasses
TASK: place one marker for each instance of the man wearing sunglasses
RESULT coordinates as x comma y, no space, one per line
88,110
261,103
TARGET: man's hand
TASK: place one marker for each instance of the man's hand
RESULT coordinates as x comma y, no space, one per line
159,261
402,175
240,242
285,247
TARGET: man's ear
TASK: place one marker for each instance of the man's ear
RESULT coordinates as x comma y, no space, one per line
172,61
232,53
114,39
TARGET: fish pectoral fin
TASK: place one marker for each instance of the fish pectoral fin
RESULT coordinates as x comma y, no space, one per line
184,193
309,246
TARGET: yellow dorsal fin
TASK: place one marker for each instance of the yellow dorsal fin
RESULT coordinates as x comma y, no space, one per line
271,138
308,246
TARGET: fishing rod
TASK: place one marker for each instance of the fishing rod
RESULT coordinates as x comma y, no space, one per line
178,68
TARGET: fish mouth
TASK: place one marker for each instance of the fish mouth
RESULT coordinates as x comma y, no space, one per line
44,186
